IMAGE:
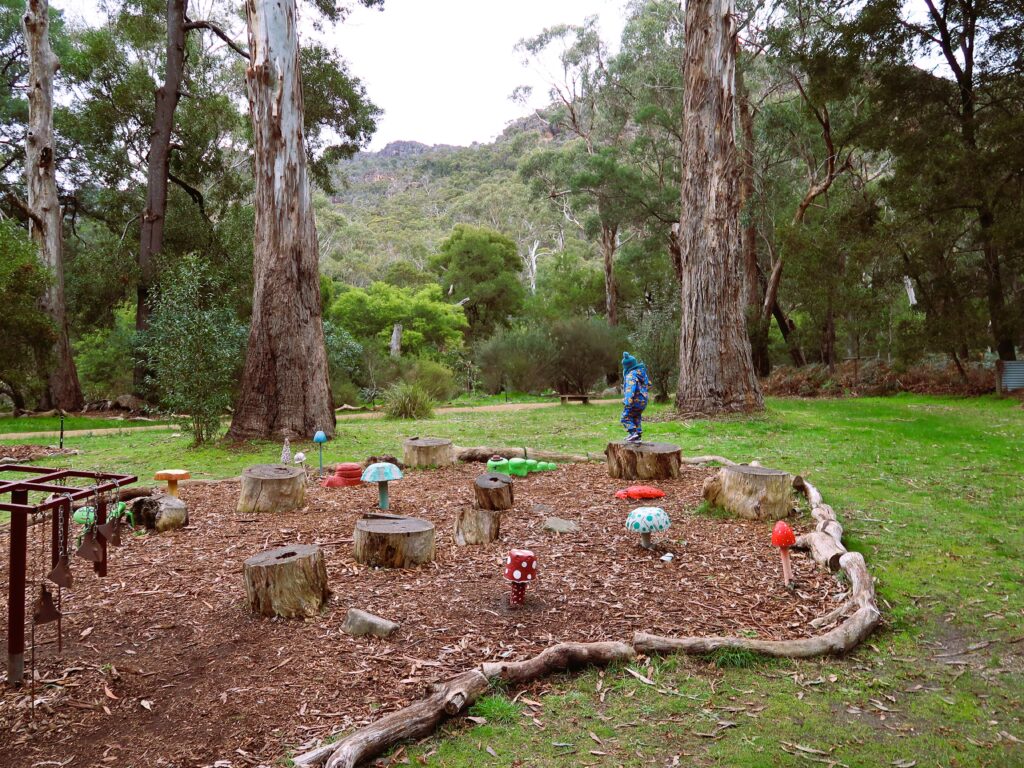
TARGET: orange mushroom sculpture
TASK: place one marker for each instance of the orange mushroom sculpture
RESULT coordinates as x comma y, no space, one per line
784,538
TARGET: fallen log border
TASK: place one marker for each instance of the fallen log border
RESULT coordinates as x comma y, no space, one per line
857,618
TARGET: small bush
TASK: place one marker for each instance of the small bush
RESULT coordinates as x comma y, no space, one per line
438,380
195,348
408,401
517,360
585,350
105,356
656,342
345,392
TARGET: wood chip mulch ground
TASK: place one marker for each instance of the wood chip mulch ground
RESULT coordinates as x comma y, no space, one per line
164,665
23,454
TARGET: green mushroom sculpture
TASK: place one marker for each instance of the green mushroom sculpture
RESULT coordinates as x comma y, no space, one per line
382,473
645,521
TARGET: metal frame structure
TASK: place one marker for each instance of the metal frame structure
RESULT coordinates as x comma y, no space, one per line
44,480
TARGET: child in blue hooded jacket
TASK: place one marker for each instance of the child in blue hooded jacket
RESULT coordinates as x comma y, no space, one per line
635,385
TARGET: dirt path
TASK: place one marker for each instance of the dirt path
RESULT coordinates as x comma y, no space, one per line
341,417
472,408
86,432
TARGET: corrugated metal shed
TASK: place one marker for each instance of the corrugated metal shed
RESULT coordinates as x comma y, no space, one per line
1011,375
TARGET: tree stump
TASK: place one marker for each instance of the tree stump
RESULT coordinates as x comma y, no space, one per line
493,491
753,493
393,541
643,461
272,488
287,581
477,526
427,452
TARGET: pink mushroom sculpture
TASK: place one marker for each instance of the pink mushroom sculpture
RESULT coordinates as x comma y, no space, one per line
783,538
520,569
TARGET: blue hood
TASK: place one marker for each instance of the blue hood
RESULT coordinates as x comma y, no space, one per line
629,363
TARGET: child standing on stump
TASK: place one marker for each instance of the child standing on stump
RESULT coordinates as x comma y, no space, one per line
634,396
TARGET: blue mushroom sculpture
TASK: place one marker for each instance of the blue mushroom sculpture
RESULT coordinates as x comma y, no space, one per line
382,473
645,521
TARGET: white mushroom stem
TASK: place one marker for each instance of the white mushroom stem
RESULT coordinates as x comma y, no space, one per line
645,541
787,569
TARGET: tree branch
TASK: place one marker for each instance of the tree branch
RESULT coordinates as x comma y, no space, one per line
195,194
209,25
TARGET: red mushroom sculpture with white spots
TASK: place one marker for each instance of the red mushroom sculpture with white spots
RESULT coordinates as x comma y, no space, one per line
520,569
784,538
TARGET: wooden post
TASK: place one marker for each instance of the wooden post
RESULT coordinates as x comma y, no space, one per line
393,541
272,488
753,493
288,581
643,461
427,452
477,526
493,491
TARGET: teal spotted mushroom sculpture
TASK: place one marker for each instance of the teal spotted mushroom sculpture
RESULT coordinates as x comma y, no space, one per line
382,473
645,521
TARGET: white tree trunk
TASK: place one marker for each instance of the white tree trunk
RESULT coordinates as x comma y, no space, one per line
716,374
531,265
62,388
285,386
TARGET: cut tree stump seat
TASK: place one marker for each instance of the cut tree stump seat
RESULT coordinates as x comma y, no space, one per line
566,399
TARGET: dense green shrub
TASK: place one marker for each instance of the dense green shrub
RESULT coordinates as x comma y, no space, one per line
520,359
377,372
460,362
345,392
586,349
105,356
481,267
194,347
408,401
26,333
655,341
428,321
344,361
436,379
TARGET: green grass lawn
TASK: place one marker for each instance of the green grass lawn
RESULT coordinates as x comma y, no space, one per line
929,489
10,425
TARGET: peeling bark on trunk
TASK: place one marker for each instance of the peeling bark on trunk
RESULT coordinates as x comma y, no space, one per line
62,388
716,373
151,239
285,387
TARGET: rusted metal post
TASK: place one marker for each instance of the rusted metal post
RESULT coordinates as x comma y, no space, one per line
101,517
55,516
16,591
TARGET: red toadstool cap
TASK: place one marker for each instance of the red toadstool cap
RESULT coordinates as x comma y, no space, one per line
782,535
521,566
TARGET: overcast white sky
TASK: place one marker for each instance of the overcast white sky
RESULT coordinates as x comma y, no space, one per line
443,70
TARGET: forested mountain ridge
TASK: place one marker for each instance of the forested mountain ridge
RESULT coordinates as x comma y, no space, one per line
397,204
